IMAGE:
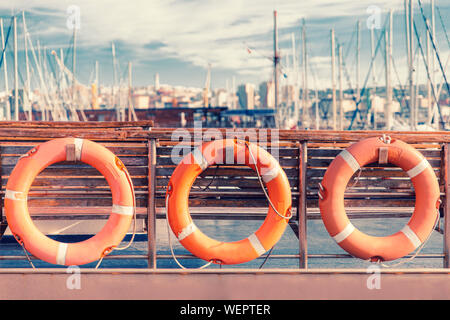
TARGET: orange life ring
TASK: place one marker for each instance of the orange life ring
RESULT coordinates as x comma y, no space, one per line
422,221
216,152
49,250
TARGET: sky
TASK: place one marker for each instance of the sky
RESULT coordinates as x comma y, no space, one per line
178,39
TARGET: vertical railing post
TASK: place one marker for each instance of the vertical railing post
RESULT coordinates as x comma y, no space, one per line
301,206
3,224
446,204
151,204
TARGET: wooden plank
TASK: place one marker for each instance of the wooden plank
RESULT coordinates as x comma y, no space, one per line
314,203
84,182
301,207
234,171
218,181
76,124
86,201
14,150
183,150
92,134
169,161
127,161
324,163
373,183
313,135
332,153
151,206
69,170
366,172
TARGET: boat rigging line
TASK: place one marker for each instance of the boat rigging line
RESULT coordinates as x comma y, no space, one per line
434,45
436,99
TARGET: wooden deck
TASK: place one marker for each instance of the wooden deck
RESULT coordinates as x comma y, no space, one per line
201,285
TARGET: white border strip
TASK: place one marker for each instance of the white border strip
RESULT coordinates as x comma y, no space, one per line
256,244
350,159
199,158
15,195
341,236
418,169
411,235
61,255
123,210
78,147
187,231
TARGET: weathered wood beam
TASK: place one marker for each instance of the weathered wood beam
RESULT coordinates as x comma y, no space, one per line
151,204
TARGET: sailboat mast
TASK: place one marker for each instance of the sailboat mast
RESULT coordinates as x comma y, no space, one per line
74,63
275,61
305,115
341,90
412,97
129,92
374,79
27,66
358,50
333,83
388,62
16,73
5,69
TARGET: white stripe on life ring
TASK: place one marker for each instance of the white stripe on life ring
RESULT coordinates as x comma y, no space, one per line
411,235
256,244
61,254
350,159
341,236
199,158
123,210
418,169
270,174
15,195
188,230
78,147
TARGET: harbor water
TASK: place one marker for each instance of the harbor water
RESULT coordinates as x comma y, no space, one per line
318,241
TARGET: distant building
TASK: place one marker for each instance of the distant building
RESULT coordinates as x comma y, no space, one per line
140,101
156,81
246,95
267,95
289,94
220,98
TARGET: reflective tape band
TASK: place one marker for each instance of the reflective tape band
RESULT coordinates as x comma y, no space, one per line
123,210
270,174
187,231
199,158
418,169
411,235
15,195
61,254
256,244
78,147
351,161
341,236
